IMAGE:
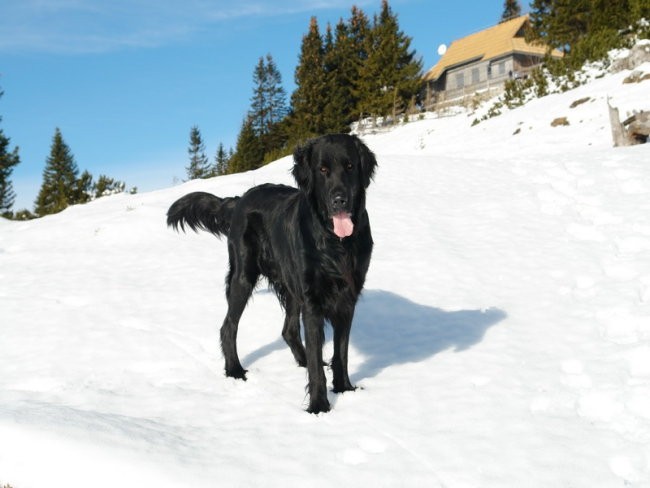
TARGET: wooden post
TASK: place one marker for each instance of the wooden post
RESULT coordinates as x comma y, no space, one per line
618,131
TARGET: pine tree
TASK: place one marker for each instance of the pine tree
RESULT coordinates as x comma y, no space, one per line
640,9
268,104
221,161
8,159
107,186
199,165
391,76
60,186
23,214
249,153
259,112
360,40
310,98
584,29
83,189
277,96
511,9
359,27
342,70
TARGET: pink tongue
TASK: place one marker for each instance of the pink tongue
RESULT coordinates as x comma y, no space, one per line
343,225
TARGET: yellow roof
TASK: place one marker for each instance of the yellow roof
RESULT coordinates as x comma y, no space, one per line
488,44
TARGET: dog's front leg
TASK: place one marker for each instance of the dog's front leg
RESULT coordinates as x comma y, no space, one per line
342,324
314,338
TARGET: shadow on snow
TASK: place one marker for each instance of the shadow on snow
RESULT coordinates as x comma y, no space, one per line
389,329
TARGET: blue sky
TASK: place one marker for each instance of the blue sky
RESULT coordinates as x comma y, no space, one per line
125,80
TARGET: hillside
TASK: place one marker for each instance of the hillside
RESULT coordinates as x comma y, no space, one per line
503,338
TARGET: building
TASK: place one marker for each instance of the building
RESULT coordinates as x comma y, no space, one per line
483,61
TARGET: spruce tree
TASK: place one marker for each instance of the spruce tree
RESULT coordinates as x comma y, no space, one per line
360,39
391,76
249,152
221,161
107,186
511,9
60,186
640,9
342,70
199,165
277,96
83,189
359,27
8,159
584,29
310,97
259,112
268,103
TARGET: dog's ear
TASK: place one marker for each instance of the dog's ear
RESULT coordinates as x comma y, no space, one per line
301,170
368,161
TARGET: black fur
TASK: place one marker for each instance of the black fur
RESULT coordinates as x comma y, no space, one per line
204,211
286,235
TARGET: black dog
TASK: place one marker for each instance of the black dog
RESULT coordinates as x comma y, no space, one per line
313,244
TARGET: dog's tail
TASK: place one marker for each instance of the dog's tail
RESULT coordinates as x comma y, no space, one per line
201,210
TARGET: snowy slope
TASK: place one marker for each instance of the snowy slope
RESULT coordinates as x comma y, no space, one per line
503,338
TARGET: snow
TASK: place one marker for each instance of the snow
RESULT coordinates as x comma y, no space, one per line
503,338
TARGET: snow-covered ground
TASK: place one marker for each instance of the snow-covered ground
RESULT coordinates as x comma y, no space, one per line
503,339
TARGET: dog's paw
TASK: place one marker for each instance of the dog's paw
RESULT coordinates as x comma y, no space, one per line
319,405
343,388
237,373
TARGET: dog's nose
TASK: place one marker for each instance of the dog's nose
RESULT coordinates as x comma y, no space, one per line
339,202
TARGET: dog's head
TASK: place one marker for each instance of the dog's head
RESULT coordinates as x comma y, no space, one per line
334,171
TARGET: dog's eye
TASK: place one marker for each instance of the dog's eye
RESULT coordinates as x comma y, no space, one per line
324,169
349,166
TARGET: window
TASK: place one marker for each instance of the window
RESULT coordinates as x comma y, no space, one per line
475,76
460,80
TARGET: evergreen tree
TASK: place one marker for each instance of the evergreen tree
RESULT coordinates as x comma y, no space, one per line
569,22
359,27
83,189
539,16
107,186
391,76
584,29
360,39
640,9
8,159
268,104
221,161
23,214
342,70
249,153
60,186
259,112
310,97
276,142
277,97
511,9
199,166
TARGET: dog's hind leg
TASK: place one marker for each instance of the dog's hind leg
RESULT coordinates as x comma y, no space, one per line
291,331
241,281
